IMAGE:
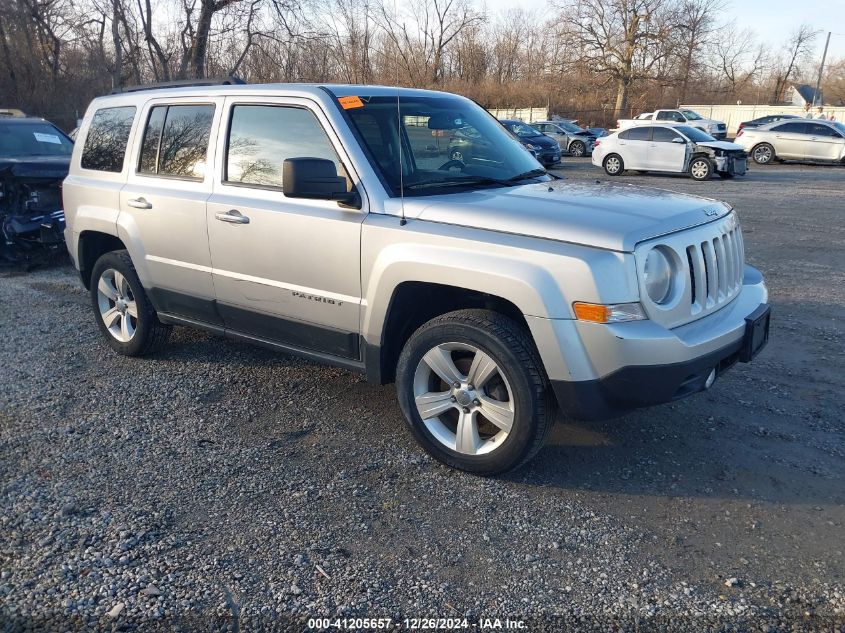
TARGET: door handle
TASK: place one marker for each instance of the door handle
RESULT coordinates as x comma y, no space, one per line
232,216
139,203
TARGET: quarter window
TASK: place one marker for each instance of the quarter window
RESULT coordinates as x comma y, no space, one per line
261,137
176,141
108,135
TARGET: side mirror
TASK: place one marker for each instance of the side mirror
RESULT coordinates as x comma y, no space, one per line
678,140
315,179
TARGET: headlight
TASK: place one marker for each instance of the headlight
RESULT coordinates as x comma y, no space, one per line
657,276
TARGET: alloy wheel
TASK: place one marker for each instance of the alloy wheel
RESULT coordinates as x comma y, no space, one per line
463,398
118,308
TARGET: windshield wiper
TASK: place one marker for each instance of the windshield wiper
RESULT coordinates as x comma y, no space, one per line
532,173
451,182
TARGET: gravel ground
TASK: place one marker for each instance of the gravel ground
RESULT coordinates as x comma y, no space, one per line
217,486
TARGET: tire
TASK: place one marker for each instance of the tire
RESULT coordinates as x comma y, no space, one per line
456,155
763,154
613,165
578,149
513,387
700,168
116,292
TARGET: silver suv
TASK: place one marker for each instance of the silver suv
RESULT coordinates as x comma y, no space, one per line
331,222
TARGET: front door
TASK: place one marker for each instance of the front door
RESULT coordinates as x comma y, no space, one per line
790,139
285,270
823,142
667,151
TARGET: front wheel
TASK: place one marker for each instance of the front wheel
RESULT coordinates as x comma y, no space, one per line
473,391
613,165
123,312
578,149
701,168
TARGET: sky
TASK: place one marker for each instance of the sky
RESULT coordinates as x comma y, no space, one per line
772,20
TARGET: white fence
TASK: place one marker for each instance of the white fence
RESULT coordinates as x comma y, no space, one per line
733,115
528,115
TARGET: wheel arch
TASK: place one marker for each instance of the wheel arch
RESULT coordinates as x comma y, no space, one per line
91,246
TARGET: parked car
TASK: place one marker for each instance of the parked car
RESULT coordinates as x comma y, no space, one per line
34,159
545,148
800,139
598,132
318,220
716,129
765,120
571,138
669,148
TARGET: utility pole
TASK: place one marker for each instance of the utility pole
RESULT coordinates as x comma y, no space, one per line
821,70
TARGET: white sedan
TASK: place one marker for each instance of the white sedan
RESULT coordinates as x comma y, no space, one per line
669,148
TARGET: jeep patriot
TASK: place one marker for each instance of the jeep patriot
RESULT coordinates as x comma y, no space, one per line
330,221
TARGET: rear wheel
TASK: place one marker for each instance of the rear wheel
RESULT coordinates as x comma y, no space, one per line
123,312
473,391
763,154
700,168
577,149
613,165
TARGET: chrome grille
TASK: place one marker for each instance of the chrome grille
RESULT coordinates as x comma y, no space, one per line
715,270
711,263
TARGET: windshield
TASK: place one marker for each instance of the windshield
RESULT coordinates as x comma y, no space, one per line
691,116
32,139
694,134
522,130
447,143
570,127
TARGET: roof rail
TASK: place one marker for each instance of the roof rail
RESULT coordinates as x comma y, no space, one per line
182,83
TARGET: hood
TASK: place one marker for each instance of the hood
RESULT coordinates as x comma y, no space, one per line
35,166
731,147
604,215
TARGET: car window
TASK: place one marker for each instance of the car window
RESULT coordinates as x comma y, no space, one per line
817,129
261,137
176,141
640,133
670,115
794,127
108,135
665,135
32,138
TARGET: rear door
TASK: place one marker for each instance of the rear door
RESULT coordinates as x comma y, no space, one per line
789,139
823,142
286,270
667,150
633,144
163,203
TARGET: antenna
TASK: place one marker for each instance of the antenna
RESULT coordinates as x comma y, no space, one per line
402,221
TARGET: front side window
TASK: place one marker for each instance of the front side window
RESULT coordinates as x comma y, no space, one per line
817,129
108,135
261,137
670,115
176,141
664,135
422,145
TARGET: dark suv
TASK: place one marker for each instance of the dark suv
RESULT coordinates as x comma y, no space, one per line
34,159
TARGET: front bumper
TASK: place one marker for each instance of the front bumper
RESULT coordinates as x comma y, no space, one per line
640,363
548,156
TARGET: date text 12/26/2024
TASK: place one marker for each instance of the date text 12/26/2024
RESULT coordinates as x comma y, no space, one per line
420,624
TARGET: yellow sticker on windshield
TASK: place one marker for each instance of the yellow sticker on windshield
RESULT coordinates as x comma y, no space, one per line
347,103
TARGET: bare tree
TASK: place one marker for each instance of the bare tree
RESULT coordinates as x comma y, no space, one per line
797,50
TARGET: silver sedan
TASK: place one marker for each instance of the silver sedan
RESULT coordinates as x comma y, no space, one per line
795,140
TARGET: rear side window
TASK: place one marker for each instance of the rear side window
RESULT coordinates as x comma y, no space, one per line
639,133
793,127
176,141
261,137
108,134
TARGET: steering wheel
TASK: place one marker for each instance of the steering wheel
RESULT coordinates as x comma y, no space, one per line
452,163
